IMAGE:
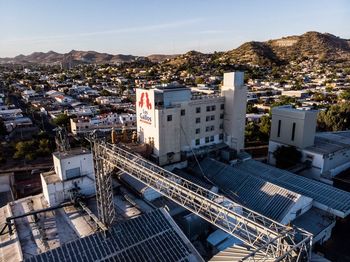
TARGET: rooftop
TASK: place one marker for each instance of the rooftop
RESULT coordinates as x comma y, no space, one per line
33,236
314,221
150,237
252,192
330,142
51,177
71,152
325,197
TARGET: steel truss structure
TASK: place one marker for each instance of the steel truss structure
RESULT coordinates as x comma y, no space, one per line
104,187
265,238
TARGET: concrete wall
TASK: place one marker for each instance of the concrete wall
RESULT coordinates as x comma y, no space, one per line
179,134
168,140
305,126
333,160
235,94
5,183
56,193
83,161
189,125
302,205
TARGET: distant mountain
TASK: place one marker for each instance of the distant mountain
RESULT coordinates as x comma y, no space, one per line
325,47
159,57
73,57
190,58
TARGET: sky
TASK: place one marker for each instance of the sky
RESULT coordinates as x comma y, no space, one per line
161,26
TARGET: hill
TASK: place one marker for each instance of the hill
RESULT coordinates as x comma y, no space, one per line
322,47
73,57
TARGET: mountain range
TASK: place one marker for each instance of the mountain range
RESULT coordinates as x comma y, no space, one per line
319,46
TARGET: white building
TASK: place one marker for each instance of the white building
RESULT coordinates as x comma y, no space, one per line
175,120
73,171
105,122
63,99
328,152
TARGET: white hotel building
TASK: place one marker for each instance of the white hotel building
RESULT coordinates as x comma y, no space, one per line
176,120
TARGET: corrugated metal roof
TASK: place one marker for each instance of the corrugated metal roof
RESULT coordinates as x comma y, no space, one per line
327,197
192,178
255,193
237,253
151,237
330,142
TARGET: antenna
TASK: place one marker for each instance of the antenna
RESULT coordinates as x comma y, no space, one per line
61,139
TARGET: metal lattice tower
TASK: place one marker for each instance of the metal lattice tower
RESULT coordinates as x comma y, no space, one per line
61,139
268,240
104,188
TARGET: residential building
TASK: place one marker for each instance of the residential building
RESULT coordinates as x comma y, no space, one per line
82,125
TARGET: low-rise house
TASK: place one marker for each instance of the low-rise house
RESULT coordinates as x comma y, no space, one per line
105,122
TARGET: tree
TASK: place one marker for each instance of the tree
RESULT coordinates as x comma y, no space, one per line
251,132
3,130
345,94
251,109
265,127
104,92
287,156
285,100
25,149
61,120
199,80
335,118
44,148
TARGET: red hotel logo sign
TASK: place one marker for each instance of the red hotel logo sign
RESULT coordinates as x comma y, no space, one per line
145,102
141,102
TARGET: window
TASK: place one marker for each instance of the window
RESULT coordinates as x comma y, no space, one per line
198,109
169,118
221,116
221,136
208,108
207,128
212,128
183,112
197,142
207,139
213,108
293,132
212,117
72,173
221,126
279,128
207,118
198,130
222,106
198,120
211,138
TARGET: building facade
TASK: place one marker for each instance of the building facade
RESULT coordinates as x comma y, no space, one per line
328,153
83,125
174,120
73,171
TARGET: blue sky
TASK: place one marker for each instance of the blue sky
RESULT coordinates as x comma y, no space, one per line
160,26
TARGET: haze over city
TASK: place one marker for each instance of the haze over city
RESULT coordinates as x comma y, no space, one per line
155,26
